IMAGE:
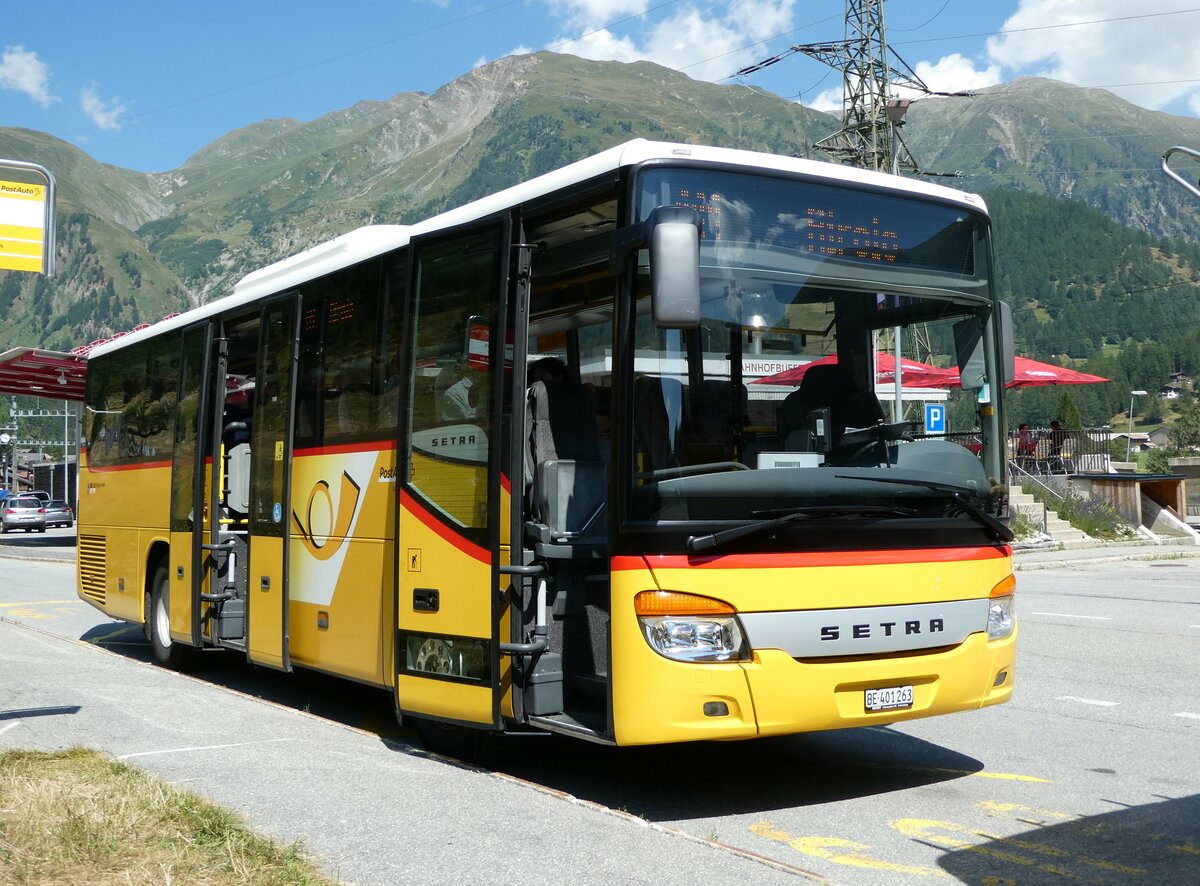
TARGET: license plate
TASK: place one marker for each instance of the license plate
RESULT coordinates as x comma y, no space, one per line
888,698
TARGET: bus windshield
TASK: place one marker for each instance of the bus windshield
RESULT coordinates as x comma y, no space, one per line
784,398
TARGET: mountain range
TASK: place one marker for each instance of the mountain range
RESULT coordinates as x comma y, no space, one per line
133,246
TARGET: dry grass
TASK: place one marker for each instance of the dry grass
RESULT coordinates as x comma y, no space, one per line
78,817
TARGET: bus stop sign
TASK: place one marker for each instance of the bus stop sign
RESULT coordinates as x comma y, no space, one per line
27,219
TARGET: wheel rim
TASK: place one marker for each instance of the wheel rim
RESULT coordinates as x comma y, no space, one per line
433,657
162,621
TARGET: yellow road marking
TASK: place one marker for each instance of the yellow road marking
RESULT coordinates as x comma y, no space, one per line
118,632
1007,808
38,603
1010,776
839,851
929,829
1002,776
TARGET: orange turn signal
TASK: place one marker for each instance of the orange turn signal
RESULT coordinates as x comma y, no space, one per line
1005,588
650,603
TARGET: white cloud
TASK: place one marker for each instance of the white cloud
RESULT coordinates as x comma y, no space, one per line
951,73
830,101
1145,47
104,114
592,14
704,39
23,71
602,44
954,73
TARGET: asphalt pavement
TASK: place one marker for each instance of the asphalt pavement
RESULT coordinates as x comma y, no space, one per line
371,809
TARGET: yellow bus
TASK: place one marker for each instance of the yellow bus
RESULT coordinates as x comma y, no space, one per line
610,453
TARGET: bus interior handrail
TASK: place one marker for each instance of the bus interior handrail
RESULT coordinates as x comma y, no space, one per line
1192,189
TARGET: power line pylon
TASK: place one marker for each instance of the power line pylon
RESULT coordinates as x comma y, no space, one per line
871,114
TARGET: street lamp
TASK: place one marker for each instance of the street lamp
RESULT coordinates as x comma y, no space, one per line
1129,438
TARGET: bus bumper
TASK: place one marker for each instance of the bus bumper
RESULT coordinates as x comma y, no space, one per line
774,694
802,696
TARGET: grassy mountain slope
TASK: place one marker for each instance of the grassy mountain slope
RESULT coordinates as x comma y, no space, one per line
119,196
1048,137
275,187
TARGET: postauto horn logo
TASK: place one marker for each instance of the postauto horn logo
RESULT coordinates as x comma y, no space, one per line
326,523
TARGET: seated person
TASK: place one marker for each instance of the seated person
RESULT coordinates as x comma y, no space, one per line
1026,444
1058,439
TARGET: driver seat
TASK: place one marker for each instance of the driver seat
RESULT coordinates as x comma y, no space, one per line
831,387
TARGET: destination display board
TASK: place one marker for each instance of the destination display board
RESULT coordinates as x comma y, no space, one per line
819,220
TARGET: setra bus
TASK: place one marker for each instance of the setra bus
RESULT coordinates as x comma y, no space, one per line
350,463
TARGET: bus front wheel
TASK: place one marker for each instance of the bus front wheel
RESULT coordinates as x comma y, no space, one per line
166,652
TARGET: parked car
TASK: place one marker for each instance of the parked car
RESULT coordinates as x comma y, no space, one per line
38,494
23,512
59,513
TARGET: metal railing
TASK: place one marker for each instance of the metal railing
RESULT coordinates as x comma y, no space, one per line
1018,476
1045,451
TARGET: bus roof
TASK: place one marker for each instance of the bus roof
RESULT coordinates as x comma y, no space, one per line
374,240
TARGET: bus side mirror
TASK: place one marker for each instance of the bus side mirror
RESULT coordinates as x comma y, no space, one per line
969,338
1008,361
968,349
672,235
674,267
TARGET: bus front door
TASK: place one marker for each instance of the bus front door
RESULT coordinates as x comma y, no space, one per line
449,611
191,515
269,473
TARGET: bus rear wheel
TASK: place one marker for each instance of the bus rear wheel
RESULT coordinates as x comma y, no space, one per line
166,652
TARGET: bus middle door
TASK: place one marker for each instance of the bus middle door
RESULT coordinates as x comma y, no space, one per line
270,485
449,610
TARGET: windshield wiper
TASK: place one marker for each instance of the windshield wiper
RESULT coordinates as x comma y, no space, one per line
704,542
954,493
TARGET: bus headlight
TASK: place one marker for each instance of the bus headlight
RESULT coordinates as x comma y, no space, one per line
1000,618
1000,609
687,627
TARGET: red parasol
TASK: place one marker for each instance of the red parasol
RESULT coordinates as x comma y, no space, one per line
1028,374
1031,373
912,372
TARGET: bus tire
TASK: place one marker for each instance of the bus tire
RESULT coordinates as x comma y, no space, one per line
166,652
448,740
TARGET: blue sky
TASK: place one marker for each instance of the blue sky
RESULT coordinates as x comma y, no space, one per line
144,85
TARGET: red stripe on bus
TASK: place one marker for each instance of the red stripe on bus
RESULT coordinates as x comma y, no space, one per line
138,466
369,446
806,559
443,531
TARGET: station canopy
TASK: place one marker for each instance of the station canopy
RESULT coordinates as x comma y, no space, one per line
58,375
37,372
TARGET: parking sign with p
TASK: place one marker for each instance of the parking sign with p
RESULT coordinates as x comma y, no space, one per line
935,418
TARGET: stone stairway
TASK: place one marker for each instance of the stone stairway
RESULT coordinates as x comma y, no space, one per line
1062,532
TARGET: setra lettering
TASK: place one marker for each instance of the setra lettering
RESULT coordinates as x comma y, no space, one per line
886,628
454,440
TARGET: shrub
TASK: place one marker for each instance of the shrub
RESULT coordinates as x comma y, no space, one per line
1094,516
